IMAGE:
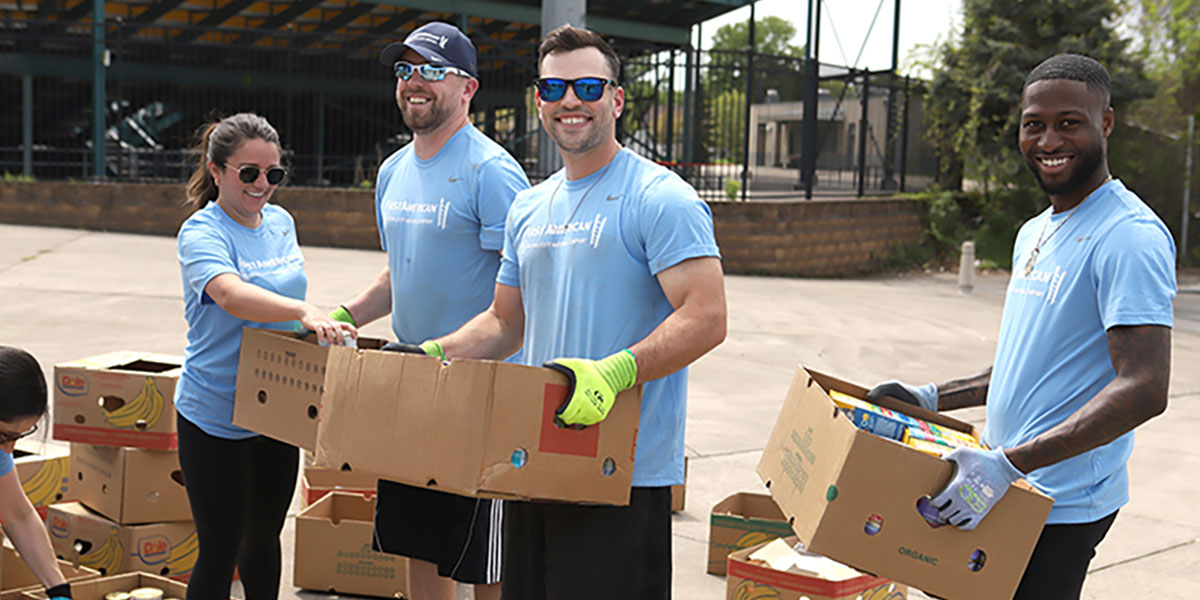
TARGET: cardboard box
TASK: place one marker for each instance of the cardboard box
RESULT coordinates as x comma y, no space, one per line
852,496
16,578
333,550
747,581
316,482
279,384
44,470
117,399
741,521
471,427
130,485
96,589
84,537
679,492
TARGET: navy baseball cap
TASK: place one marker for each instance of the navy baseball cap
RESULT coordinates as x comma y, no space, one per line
441,44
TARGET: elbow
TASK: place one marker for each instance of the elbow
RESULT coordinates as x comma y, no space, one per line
717,327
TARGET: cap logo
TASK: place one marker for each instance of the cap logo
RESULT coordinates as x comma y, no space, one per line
440,40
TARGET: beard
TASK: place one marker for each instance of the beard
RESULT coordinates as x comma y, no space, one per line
597,133
1090,160
424,122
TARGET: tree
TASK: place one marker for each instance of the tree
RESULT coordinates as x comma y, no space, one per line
772,35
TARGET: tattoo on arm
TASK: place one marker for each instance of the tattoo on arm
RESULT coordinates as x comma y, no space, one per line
967,391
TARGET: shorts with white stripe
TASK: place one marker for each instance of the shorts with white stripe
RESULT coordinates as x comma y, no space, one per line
460,535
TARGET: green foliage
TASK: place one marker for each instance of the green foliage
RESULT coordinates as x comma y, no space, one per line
725,134
732,189
1170,30
366,184
18,178
772,35
991,220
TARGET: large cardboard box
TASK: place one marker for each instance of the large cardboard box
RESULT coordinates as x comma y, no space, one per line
280,378
471,427
96,589
749,581
316,482
84,537
333,550
117,399
16,578
44,470
852,496
741,521
130,485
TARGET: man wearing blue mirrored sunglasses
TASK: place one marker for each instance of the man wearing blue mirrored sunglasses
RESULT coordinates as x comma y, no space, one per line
440,204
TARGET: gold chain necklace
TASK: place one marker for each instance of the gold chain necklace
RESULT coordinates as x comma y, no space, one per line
549,216
1037,248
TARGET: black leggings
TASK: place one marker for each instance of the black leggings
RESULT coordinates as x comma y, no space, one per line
240,491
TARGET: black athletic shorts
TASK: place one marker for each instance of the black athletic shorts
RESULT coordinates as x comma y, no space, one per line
577,552
458,534
1060,560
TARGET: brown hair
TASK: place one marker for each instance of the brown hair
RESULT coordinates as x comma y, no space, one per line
567,38
215,142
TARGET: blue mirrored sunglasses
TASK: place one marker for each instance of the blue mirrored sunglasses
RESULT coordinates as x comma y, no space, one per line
587,89
428,72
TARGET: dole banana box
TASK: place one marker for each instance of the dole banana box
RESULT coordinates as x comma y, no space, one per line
852,496
16,578
316,483
281,376
44,470
97,589
741,521
333,550
130,485
471,427
753,580
117,399
87,538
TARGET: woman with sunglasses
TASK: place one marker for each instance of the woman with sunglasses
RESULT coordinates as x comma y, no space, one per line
22,405
241,267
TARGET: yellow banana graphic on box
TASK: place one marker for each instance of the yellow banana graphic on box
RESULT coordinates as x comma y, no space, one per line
752,590
44,486
146,407
107,558
183,555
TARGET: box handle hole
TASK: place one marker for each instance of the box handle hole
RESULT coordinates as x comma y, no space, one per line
978,559
346,467
874,524
110,403
177,477
609,467
929,513
262,396
312,412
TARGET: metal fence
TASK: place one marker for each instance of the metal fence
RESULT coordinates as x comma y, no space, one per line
335,109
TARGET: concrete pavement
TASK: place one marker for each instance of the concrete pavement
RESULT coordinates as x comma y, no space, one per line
69,293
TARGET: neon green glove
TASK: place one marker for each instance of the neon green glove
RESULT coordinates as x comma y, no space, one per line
429,347
594,386
341,313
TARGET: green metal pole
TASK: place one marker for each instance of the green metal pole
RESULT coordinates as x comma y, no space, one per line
27,122
98,88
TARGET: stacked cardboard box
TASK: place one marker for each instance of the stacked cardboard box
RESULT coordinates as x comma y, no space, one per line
44,471
16,578
333,550
100,588
132,512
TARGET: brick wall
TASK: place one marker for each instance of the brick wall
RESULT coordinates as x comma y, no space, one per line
816,238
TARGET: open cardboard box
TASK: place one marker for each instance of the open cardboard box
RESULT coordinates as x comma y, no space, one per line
281,376
130,485
86,538
471,427
741,521
16,578
316,482
747,580
96,589
44,470
333,550
852,496
118,399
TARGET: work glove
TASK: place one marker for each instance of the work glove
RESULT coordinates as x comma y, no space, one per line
341,313
981,477
925,396
428,347
59,592
594,386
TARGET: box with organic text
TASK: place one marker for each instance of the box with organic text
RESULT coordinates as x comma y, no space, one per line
852,496
44,470
333,550
130,485
16,578
749,578
117,399
100,588
471,427
87,538
741,521
280,378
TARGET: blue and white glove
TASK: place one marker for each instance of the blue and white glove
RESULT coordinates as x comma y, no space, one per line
925,396
981,477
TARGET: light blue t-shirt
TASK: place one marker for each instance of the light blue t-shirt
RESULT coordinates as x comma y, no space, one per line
6,462
211,243
441,222
585,255
1111,263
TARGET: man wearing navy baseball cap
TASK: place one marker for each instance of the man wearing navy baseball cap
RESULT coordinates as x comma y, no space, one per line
440,205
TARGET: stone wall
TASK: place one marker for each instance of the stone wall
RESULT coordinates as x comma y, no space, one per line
815,238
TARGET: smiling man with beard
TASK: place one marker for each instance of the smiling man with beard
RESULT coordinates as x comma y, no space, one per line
1084,351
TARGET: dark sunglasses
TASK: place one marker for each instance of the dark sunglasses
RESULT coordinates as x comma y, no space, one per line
587,89
12,437
249,174
427,71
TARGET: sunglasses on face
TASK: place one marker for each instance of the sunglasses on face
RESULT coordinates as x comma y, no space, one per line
587,89
249,174
428,72
12,437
